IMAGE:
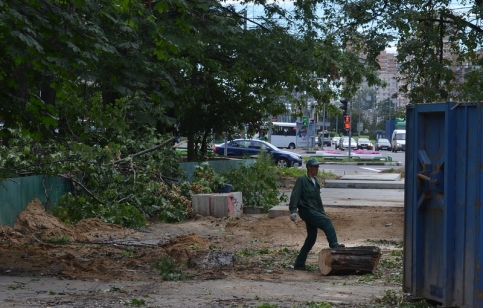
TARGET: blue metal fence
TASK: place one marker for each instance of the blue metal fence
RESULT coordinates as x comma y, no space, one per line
219,166
16,193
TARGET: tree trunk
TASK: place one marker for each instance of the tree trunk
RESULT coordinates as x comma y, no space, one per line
349,261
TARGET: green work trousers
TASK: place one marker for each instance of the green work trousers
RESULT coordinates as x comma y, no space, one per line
314,220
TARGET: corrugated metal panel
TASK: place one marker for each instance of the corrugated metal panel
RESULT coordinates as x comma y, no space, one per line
16,193
219,166
442,252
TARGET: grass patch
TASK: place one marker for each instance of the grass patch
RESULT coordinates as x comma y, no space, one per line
397,244
395,170
58,240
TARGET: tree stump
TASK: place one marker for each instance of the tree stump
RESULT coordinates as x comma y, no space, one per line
349,260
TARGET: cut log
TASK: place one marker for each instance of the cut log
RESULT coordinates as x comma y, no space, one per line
349,260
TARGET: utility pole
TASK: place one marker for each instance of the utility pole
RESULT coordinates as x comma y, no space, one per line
359,100
350,128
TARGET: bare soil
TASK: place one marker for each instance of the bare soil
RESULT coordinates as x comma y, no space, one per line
263,251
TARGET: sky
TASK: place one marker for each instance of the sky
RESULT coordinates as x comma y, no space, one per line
255,10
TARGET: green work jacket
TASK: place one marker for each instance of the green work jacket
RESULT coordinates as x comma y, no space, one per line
306,195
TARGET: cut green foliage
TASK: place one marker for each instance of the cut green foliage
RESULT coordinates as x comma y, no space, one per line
127,254
397,244
389,269
169,269
397,300
108,182
135,302
258,183
207,178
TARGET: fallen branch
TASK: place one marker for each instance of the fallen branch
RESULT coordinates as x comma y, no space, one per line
145,151
82,186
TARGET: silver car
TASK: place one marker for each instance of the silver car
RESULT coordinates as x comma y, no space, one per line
344,143
382,144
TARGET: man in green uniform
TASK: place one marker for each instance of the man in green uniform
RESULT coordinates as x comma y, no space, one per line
306,198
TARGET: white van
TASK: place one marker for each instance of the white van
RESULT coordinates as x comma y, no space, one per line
398,140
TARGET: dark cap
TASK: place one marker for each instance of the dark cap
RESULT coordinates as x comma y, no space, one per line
312,162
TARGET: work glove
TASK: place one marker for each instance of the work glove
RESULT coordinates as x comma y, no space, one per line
293,217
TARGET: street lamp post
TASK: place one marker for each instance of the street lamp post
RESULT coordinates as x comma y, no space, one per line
359,101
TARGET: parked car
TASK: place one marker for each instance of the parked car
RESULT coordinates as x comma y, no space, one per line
344,143
246,147
323,140
335,140
364,144
382,144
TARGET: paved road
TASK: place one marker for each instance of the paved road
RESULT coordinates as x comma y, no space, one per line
340,169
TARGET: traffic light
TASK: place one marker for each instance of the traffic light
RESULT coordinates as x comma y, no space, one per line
347,122
304,120
344,103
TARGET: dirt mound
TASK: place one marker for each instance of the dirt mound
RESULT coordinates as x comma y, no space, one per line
10,236
36,224
183,247
94,228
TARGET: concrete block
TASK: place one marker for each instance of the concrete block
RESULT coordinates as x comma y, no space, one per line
201,204
218,205
278,210
227,205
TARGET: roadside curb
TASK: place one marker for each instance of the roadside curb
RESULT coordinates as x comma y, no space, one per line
357,163
364,184
394,163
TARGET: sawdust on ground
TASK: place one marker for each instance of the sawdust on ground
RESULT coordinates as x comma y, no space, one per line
39,244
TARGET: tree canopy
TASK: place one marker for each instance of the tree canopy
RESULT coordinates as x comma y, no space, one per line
210,67
124,65
438,44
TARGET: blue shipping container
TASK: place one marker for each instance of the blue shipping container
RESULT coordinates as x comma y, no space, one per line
443,241
389,128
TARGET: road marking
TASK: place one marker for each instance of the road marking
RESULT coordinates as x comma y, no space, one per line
372,169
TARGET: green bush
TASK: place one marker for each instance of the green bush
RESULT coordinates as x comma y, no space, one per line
258,182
